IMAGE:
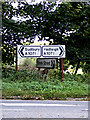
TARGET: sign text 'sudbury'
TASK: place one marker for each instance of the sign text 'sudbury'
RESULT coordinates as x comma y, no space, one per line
43,51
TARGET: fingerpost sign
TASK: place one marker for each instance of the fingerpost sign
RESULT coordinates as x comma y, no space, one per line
54,51
29,51
42,51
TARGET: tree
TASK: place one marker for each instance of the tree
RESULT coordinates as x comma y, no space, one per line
68,24
78,42
14,32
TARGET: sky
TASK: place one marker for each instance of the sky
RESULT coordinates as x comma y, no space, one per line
15,4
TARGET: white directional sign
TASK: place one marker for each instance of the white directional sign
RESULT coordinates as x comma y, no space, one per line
29,51
41,51
53,51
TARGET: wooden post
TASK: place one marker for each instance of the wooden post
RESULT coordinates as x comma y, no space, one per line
39,73
61,65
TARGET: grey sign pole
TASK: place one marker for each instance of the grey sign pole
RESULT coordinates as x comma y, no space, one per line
16,61
39,73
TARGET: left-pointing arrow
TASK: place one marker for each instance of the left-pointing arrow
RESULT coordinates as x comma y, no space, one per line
21,51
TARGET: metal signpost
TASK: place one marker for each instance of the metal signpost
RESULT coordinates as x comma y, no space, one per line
47,52
41,51
48,63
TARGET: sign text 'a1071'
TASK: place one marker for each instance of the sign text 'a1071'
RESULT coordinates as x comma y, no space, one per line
41,51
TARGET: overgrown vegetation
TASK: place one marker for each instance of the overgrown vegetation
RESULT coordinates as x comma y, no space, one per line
26,85
67,25
30,62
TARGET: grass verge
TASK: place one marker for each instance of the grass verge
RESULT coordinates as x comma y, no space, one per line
25,85
45,90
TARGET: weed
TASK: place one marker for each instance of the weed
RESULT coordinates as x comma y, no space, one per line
25,83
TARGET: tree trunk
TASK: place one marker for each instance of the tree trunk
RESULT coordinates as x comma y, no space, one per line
77,66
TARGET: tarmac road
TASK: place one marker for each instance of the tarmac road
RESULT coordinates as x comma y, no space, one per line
43,109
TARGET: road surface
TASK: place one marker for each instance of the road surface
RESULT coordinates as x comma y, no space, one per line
43,109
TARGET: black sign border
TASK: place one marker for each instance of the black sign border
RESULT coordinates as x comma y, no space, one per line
44,67
52,56
31,46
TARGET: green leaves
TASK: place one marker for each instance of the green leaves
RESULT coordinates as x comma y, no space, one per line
26,85
45,90
67,24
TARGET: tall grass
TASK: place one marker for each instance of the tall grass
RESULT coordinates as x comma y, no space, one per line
26,85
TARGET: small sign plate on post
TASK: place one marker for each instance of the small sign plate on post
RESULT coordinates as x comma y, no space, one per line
45,63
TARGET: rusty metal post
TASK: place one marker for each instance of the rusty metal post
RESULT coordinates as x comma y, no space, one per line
16,61
62,69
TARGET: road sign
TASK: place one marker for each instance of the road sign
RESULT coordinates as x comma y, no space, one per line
43,51
29,51
53,51
45,63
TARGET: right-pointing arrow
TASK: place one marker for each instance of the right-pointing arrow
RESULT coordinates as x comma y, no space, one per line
61,50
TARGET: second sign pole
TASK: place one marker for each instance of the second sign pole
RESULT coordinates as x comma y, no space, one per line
39,72
61,62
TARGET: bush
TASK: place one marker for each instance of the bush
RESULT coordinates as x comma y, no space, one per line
30,62
32,74
25,83
20,75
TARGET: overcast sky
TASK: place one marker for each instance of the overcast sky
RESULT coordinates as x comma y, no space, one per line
15,4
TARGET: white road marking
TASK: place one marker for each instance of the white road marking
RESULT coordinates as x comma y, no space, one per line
14,109
85,110
36,104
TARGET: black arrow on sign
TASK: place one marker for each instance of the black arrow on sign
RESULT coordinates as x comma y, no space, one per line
21,51
62,50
